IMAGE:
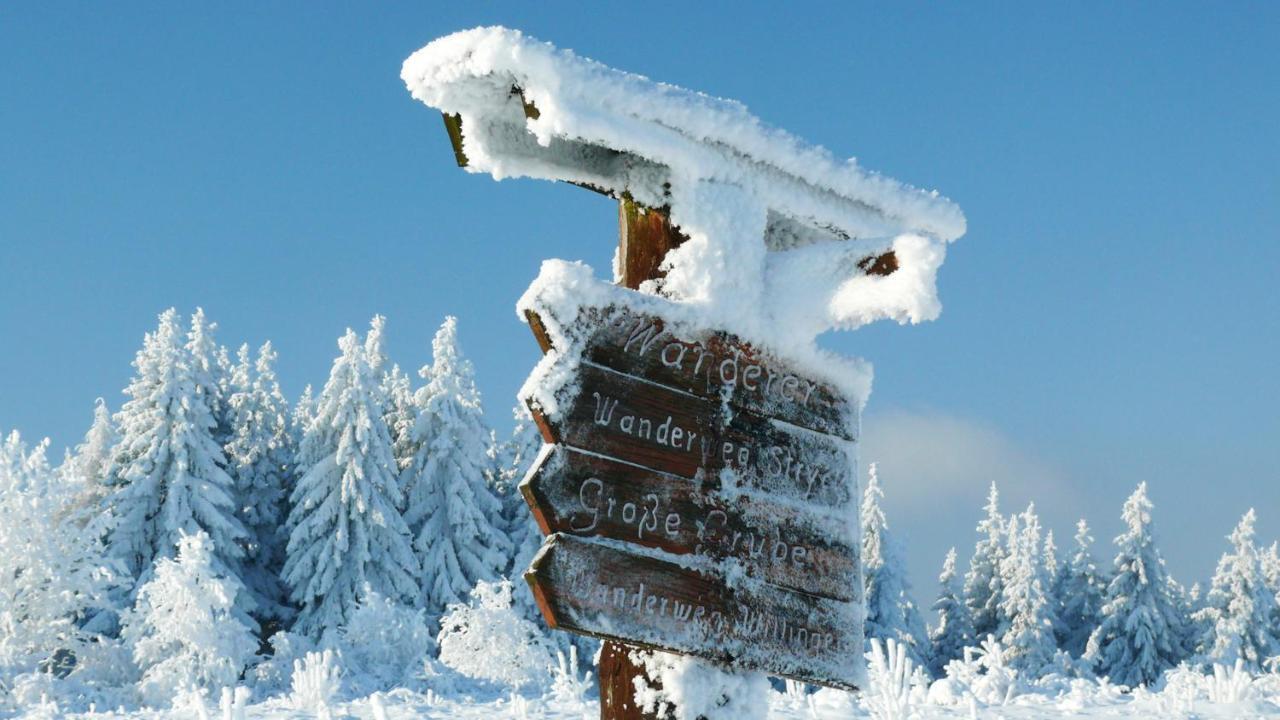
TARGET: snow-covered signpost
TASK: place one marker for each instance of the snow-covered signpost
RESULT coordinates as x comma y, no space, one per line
699,485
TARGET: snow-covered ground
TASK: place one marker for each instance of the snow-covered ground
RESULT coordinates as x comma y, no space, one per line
1088,700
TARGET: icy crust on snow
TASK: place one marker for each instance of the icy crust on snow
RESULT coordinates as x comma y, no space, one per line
773,224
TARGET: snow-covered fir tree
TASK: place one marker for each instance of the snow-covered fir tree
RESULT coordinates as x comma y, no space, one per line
303,412
55,570
89,465
1141,631
983,586
211,369
1270,559
1239,607
1052,567
400,413
1271,575
92,457
954,631
183,629
346,527
512,461
260,452
891,612
450,509
169,470
1078,589
1028,636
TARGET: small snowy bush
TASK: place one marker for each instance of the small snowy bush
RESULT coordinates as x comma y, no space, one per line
386,640
889,673
183,629
316,681
273,674
567,686
1230,684
983,674
489,640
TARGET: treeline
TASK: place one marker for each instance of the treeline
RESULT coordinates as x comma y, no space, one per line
1069,614
375,491
209,532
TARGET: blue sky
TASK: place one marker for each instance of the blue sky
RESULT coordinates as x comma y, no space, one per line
1111,316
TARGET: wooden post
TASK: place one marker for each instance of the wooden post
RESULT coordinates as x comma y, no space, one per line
645,235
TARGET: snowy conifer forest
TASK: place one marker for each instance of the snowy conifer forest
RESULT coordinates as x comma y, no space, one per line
212,549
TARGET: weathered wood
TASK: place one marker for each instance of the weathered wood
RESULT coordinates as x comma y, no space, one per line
592,588
792,546
886,264
618,674
699,361
647,235
628,419
453,126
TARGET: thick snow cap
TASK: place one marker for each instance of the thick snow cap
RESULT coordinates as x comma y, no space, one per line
776,227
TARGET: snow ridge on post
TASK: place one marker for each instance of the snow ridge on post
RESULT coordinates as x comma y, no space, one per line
767,221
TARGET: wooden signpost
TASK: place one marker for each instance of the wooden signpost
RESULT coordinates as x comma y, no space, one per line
697,492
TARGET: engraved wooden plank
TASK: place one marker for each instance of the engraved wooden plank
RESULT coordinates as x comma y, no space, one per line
793,546
702,362
592,588
628,419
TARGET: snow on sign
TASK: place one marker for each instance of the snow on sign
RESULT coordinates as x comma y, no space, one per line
699,486
697,490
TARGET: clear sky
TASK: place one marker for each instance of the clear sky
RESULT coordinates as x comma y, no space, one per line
1112,315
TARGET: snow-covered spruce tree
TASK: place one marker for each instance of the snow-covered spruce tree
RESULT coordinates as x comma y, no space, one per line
400,413
1270,558
210,367
512,462
1239,607
1079,589
450,510
1139,636
1052,568
954,631
1271,575
55,571
260,453
169,470
303,412
347,531
983,586
183,629
1028,637
891,613
92,458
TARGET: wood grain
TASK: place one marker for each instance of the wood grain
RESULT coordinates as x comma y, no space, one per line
702,362
592,588
587,495
628,419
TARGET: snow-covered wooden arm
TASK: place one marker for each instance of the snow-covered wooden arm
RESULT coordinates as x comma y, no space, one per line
779,233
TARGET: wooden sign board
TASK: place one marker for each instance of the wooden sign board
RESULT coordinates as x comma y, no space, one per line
599,589
785,544
699,495
701,362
